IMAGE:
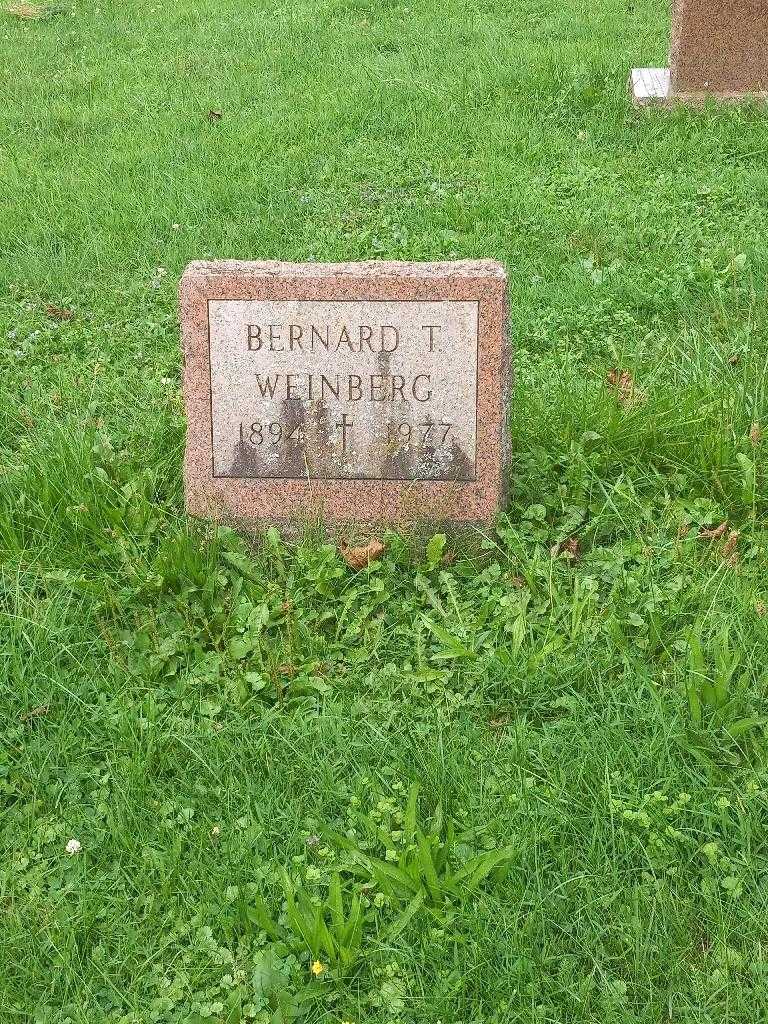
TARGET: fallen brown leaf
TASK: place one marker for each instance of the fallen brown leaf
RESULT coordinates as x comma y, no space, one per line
626,392
729,553
570,548
57,313
715,533
756,433
38,712
359,557
215,115
34,12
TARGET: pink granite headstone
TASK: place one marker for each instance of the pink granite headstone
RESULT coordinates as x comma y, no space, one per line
350,393
719,48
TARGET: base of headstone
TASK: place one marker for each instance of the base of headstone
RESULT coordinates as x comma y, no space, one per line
653,87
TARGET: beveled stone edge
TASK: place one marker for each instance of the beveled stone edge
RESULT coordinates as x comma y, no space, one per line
357,269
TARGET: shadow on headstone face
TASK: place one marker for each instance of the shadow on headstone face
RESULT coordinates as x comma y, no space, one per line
719,48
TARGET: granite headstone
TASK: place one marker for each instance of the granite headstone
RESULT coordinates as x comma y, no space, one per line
353,393
719,48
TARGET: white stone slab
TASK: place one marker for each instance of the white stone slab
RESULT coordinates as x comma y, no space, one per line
650,85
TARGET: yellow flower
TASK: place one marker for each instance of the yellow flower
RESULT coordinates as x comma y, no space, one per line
317,968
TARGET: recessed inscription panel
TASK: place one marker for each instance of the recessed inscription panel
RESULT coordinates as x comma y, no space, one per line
306,389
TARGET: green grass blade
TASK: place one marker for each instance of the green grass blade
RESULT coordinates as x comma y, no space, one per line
335,902
401,922
410,817
428,868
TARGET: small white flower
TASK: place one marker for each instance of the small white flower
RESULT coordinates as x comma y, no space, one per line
73,846
176,227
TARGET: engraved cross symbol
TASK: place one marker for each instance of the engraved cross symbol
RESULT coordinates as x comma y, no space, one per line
345,424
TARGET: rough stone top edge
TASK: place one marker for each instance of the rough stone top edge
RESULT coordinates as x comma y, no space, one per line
396,269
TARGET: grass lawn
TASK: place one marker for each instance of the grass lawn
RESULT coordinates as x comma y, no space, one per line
233,733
